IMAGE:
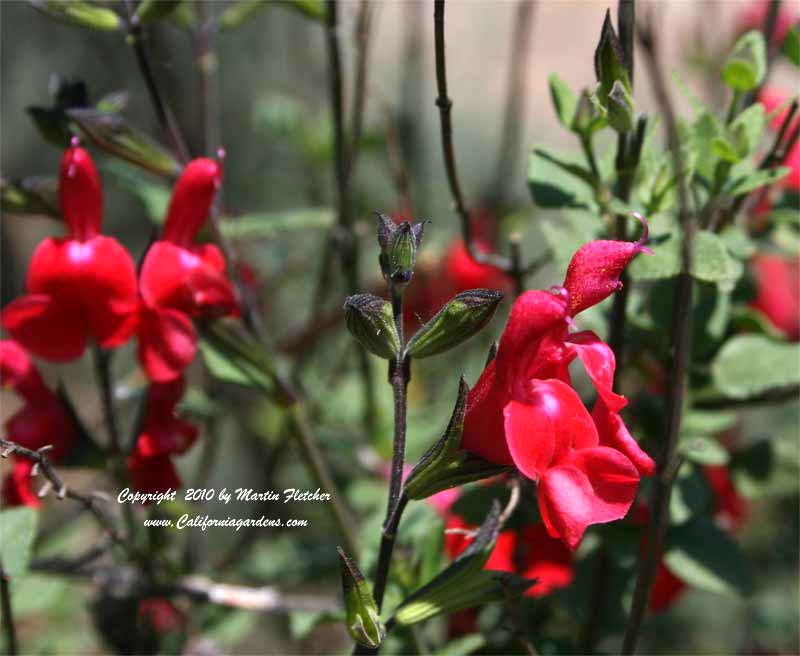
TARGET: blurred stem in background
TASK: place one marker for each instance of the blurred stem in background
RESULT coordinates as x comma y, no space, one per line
681,338
7,614
500,190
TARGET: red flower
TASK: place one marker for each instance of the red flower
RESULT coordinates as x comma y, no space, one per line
529,553
730,508
160,615
18,485
778,291
80,287
163,433
524,412
181,280
152,475
42,420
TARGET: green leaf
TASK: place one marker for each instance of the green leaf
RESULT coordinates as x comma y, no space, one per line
237,13
746,66
791,46
738,242
462,317
154,197
564,101
747,128
17,531
723,149
80,13
621,112
363,618
698,422
30,196
232,356
463,646
756,180
268,225
748,365
464,583
703,450
712,262
691,496
559,181
112,134
609,63
150,11
706,557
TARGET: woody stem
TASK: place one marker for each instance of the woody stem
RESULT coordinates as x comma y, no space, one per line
8,618
681,349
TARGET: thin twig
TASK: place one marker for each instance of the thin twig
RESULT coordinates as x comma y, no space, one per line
445,105
102,363
7,614
668,463
347,242
362,34
516,93
166,119
89,501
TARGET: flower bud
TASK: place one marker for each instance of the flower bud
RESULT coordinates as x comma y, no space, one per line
620,108
594,271
461,318
370,320
609,62
399,245
80,194
363,620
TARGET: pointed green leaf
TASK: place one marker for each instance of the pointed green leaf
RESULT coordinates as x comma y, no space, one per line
30,196
363,619
113,134
706,557
791,46
80,13
756,180
564,101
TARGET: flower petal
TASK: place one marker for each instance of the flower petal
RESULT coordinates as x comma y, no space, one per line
80,194
613,433
46,328
599,361
591,486
191,200
167,343
483,421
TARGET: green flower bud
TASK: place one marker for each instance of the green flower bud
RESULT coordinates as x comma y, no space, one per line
462,317
399,245
609,62
370,320
363,620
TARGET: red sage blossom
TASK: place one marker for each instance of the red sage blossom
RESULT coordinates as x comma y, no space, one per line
81,287
181,280
43,420
523,411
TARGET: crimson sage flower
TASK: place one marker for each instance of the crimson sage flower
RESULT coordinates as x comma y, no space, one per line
524,412
181,280
43,420
79,287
